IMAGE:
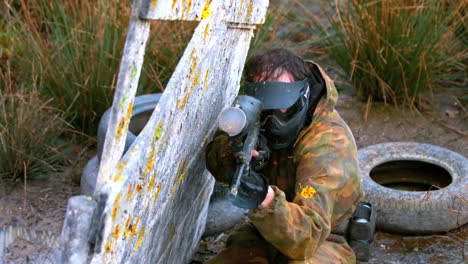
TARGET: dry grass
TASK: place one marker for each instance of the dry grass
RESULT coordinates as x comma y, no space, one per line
393,50
29,131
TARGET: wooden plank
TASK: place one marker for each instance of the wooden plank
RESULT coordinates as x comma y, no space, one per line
241,11
127,83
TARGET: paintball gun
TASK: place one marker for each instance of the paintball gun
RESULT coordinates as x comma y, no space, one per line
241,121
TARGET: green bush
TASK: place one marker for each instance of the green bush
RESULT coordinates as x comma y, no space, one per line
392,50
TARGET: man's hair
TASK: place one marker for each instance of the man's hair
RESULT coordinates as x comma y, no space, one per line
271,64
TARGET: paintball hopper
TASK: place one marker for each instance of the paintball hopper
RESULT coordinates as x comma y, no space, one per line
239,118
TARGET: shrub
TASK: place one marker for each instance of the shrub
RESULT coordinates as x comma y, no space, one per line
392,50
29,134
73,48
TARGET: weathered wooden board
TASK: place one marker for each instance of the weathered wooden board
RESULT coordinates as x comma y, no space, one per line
240,11
153,201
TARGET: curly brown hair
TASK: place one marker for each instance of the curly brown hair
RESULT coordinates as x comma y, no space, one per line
272,63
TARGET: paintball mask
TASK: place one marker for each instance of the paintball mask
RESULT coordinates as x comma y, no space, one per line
281,127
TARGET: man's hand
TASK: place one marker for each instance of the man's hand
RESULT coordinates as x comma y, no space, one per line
268,199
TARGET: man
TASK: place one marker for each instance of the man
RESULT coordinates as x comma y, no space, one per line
312,171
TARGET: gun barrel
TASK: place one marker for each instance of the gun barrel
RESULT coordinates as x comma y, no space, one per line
245,158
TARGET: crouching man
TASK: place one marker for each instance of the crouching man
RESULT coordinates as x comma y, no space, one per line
305,182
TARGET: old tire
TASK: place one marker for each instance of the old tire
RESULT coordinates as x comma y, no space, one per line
417,211
143,107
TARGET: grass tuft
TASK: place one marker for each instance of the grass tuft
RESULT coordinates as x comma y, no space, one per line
29,134
393,50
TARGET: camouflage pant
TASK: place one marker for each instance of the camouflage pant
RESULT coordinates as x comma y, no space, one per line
248,246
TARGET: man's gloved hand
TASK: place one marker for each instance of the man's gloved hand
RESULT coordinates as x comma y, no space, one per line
252,191
258,161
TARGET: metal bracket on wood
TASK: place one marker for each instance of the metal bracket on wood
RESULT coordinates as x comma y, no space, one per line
241,26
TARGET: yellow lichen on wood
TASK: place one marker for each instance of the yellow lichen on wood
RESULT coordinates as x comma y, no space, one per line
205,80
116,206
127,228
153,3
151,183
120,127
133,227
156,193
138,187
116,231
206,32
118,176
141,237
206,10
129,191
194,66
150,164
158,131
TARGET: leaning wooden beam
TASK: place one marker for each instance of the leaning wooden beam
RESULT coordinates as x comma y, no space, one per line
121,110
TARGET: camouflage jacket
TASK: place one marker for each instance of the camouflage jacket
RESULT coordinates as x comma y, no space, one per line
316,183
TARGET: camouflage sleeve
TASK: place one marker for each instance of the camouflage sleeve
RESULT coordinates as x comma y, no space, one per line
327,188
219,157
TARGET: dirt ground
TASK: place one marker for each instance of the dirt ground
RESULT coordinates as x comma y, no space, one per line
40,205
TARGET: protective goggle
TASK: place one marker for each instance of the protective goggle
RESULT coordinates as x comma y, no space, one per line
277,95
283,116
